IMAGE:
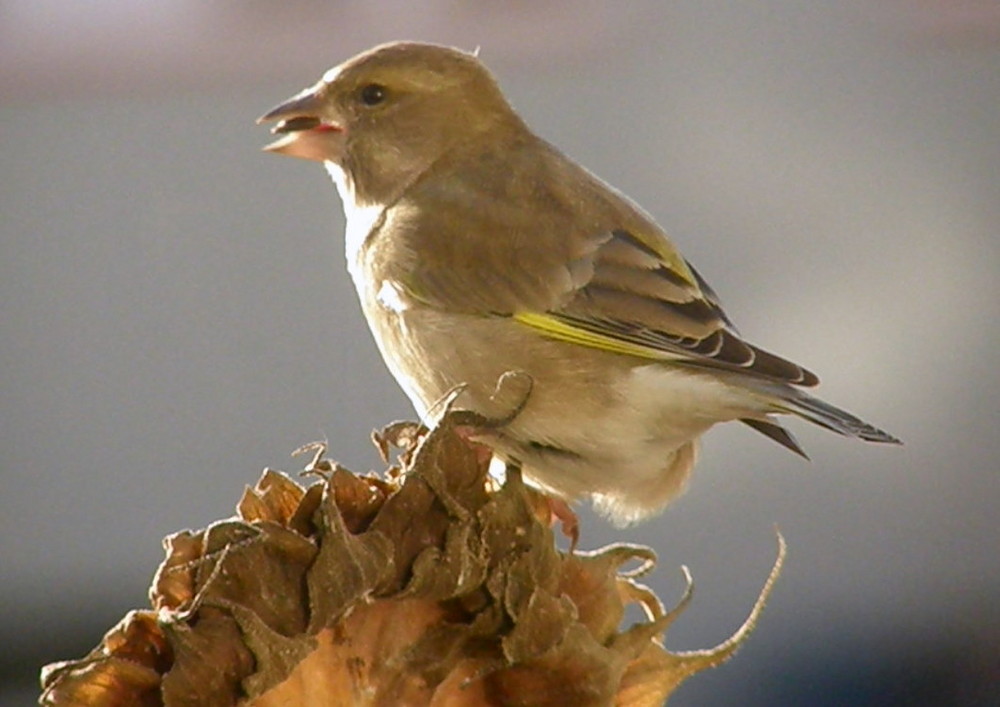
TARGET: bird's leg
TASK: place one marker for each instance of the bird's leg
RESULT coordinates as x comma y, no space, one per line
569,523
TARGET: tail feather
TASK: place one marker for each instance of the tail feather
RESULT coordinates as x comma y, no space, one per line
770,428
833,418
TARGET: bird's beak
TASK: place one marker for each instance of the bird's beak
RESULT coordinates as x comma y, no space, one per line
303,132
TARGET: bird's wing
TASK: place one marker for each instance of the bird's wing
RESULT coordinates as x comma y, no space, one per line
646,301
561,252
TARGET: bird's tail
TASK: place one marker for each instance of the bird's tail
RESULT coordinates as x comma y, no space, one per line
824,414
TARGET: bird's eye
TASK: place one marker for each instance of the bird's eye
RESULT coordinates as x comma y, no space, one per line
372,94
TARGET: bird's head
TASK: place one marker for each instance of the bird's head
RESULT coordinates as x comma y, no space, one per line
387,114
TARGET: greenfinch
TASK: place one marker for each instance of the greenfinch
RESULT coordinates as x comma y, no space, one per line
479,250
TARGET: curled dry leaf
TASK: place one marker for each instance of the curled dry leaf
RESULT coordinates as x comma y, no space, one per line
432,588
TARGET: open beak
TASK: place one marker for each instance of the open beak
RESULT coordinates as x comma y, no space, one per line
303,132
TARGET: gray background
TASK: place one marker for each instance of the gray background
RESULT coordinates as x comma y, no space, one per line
176,315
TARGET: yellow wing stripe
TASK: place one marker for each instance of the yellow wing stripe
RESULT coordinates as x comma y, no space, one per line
554,328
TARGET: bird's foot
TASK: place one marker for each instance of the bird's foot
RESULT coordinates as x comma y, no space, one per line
569,523
513,388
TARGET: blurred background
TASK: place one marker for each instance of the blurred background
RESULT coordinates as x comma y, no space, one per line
176,315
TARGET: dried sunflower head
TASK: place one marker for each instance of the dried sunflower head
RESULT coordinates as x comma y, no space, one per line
435,587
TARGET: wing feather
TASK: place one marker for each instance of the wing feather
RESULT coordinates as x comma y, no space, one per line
635,297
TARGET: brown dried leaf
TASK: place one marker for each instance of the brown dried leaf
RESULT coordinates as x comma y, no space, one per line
275,655
359,499
173,584
210,660
124,669
274,497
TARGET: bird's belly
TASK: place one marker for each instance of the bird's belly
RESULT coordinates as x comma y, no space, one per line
614,427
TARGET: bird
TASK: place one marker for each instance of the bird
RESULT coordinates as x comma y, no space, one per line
479,250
